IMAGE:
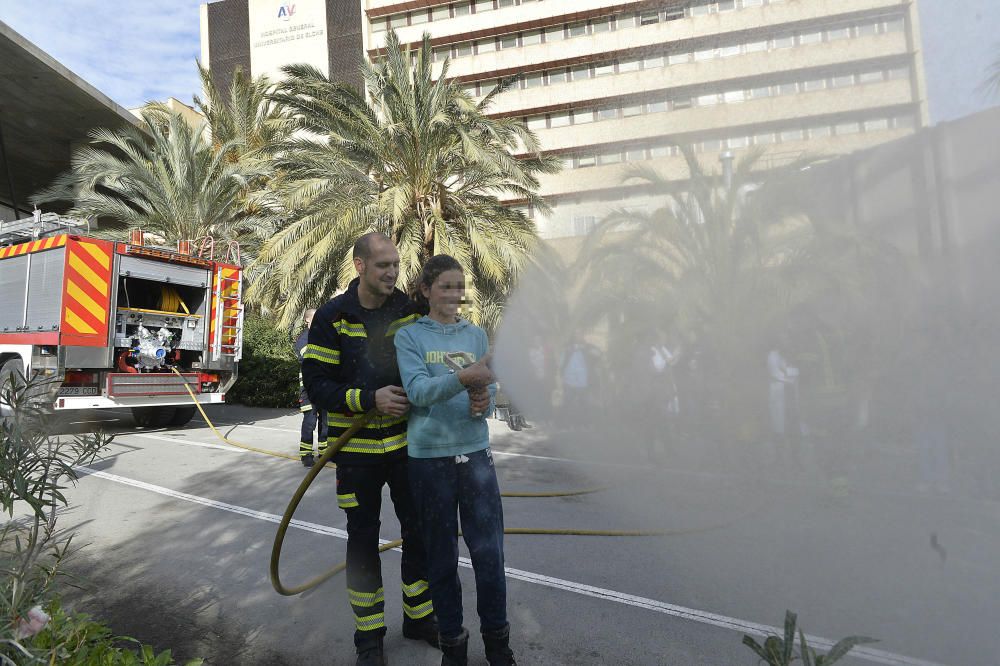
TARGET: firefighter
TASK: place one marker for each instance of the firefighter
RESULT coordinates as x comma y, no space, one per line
311,417
348,369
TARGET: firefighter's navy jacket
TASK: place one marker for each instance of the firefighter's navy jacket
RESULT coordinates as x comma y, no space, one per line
300,349
351,354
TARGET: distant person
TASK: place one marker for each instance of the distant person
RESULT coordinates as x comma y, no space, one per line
443,364
311,416
577,380
782,399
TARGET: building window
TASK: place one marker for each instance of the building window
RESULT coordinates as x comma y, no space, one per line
484,6
379,25
895,25
652,62
557,76
811,37
441,53
584,224
635,155
559,119
533,80
753,47
603,24
629,66
585,161
486,45
463,50
610,158
649,18
555,34
508,41
607,114
870,77
397,21
567,163
905,122
784,42
471,88
711,145
820,132
462,8
581,73
733,96
681,103
418,17
867,29
847,128
678,58
634,110
656,107
441,13
673,14
659,151
577,29
792,135
706,54
842,81
898,73
757,93
604,69
708,100
738,142
701,9
876,124
752,3
764,139
727,5
729,51
583,116
814,84
788,88
531,37
536,122
836,34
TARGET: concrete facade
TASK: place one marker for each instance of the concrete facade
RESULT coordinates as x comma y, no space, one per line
607,84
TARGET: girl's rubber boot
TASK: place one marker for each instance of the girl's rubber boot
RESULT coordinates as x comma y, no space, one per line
498,652
455,651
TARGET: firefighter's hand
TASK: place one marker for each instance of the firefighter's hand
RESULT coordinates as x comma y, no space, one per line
392,400
478,374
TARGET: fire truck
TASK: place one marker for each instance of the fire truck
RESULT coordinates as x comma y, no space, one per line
105,324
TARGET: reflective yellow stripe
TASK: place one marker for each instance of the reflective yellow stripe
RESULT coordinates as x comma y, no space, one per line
306,408
322,354
353,400
363,445
366,598
415,589
346,421
400,323
369,622
419,611
345,327
347,501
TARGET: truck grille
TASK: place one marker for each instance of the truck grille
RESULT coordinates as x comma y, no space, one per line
148,383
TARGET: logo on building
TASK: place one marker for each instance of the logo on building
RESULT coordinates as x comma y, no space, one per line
286,12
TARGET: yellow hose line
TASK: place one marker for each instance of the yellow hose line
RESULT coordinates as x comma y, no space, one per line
324,461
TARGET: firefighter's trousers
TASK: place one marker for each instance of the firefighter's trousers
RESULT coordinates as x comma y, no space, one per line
359,493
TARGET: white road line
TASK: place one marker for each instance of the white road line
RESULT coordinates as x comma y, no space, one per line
245,425
186,442
703,617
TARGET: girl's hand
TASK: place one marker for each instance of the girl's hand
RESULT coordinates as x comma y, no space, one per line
479,401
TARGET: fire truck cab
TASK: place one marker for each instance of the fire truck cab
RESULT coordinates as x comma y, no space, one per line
105,324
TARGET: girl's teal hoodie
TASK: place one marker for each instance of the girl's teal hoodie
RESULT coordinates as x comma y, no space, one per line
440,423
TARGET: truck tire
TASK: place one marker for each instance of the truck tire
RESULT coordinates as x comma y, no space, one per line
14,367
182,415
152,417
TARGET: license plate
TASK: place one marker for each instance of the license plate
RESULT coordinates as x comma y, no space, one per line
79,390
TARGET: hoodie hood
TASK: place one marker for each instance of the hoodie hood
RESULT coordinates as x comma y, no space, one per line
443,329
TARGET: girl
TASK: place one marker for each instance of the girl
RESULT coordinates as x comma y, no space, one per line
443,364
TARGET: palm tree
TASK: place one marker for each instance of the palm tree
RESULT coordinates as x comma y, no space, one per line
161,176
992,84
412,156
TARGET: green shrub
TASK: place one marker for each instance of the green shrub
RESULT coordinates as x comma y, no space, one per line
77,640
269,371
778,651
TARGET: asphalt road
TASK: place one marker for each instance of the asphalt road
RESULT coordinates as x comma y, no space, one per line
179,528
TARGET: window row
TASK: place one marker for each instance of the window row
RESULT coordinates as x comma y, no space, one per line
810,83
584,159
658,59
620,21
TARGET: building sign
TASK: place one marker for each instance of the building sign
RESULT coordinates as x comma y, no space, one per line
285,33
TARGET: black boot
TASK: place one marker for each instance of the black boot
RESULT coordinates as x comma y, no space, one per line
498,652
370,653
455,651
424,629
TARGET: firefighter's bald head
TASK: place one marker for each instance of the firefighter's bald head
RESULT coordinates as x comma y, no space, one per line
377,262
365,246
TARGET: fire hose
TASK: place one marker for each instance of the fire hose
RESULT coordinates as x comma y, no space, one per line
359,422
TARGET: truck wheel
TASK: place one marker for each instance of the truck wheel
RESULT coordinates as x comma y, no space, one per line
182,415
12,368
152,417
